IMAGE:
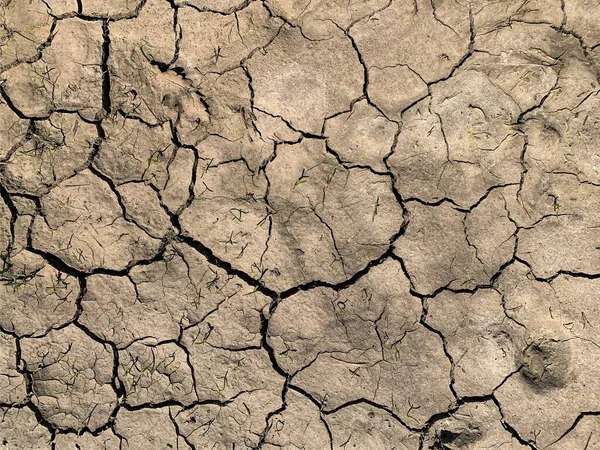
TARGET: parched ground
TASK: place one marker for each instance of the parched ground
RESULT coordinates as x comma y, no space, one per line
300,224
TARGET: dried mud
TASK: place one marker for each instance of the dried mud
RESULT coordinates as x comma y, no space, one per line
300,224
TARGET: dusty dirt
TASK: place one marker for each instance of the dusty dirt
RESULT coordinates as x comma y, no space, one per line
300,224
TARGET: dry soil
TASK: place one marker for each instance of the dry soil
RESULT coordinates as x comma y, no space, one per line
300,224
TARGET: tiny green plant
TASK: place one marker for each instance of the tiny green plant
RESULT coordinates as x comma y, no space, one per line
249,198
584,320
331,175
126,370
132,111
58,284
396,351
164,365
16,283
144,369
340,308
237,213
241,253
206,167
323,405
43,142
262,221
78,255
375,209
555,204
201,195
217,54
396,345
287,353
230,241
44,75
367,296
254,268
204,336
154,158
219,391
255,288
302,179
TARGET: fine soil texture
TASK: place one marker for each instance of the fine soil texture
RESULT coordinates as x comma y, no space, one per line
300,224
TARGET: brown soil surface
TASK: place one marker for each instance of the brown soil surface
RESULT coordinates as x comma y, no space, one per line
300,224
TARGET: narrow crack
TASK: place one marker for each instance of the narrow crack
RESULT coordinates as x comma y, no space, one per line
106,103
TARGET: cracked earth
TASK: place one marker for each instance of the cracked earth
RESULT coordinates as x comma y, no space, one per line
300,224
